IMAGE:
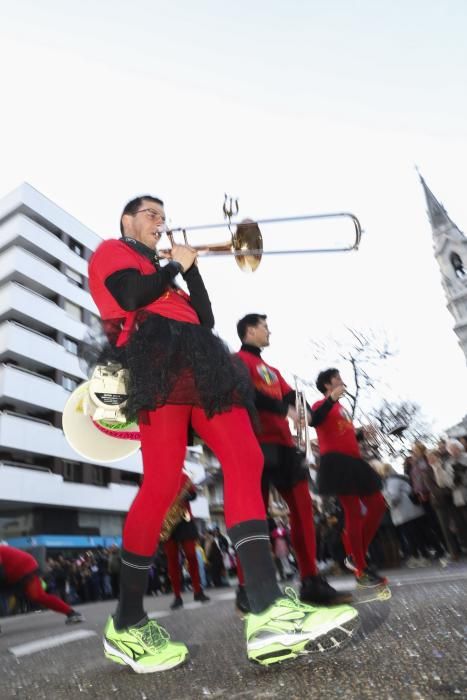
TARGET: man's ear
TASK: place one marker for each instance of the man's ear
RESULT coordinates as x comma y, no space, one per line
127,220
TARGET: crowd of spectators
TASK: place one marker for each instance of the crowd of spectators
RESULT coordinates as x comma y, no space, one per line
425,523
94,575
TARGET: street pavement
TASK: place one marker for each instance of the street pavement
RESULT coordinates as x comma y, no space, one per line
412,647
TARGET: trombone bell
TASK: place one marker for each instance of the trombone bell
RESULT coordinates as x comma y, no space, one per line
247,238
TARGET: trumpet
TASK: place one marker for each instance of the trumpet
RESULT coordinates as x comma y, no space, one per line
246,241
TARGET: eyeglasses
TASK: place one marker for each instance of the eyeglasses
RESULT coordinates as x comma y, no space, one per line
153,214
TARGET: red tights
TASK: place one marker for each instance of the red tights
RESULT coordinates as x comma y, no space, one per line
302,527
35,593
172,551
360,529
163,443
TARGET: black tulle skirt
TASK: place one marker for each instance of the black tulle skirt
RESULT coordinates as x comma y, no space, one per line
283,466
172,362
342,474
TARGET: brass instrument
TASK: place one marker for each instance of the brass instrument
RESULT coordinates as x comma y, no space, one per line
303,430
177,512
375,438
246,241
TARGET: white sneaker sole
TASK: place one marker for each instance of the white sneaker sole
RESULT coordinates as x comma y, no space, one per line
134,664
340,624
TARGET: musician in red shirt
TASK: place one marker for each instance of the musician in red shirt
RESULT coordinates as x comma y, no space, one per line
283,464
181,374
342,472
184,535
19,574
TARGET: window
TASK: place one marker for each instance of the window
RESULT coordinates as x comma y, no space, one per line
71,346
98,476
72,472
75,247
73,310
74,277
457,264
69,383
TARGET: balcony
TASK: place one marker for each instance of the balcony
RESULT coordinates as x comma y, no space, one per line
21,266
25,434
23,389
26,199
20,485
18,342
24,233
33,309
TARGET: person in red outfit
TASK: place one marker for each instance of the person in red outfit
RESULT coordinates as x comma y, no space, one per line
283,463
184,536
19,574
180,374
342,472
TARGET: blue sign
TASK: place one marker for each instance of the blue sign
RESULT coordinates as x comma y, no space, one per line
64,541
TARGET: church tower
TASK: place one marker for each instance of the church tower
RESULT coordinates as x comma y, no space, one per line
450,248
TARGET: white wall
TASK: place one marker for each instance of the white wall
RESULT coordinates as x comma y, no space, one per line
17,433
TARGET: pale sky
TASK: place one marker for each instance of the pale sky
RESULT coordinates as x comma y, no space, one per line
294,107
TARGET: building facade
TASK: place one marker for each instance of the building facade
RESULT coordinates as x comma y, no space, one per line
46,489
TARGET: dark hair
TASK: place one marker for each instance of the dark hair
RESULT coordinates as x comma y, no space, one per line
248,320
325,377
133,206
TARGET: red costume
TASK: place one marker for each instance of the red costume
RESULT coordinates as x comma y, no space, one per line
184,535
180,373
344,473
337,433
19,572
283,466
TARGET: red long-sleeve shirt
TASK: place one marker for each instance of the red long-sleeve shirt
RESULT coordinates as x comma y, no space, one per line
268,381
16,563
114,255
336,432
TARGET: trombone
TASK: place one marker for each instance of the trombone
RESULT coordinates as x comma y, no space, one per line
376,438
246,241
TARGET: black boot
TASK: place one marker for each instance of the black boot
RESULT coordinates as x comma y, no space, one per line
241,600
74,617
201,597
177,603
317,591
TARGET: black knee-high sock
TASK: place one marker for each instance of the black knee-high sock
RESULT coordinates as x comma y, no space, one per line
251,541
134,573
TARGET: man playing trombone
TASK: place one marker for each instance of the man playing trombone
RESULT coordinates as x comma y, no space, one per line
180,373
343,473
283,464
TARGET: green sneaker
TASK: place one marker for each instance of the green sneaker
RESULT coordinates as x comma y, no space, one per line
146,648
289,628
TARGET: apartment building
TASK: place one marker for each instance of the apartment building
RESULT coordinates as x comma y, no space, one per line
46,489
